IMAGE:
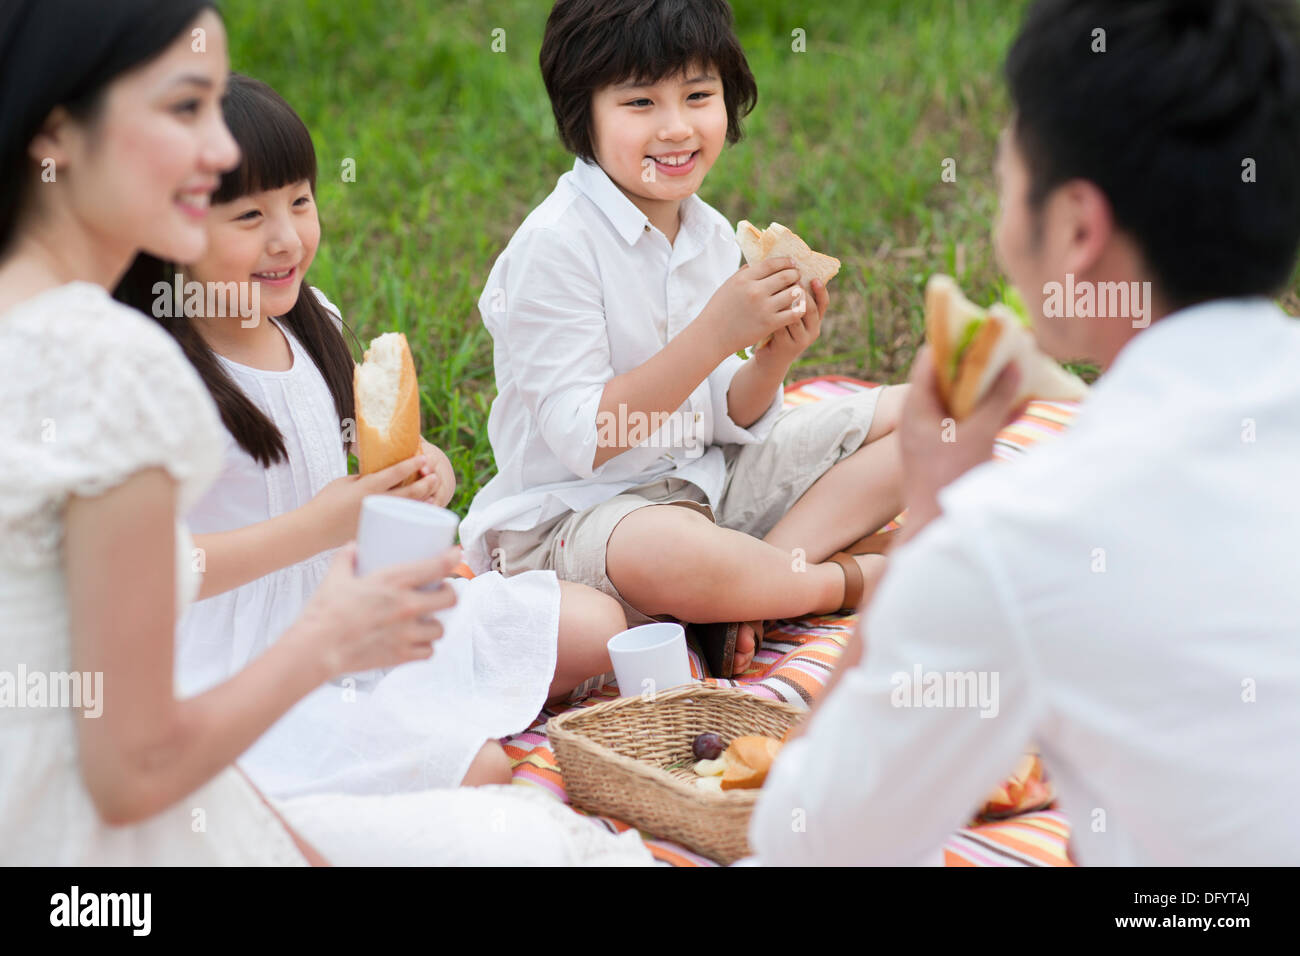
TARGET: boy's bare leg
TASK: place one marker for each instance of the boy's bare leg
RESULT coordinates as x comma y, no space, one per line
857,496
669,560
588,619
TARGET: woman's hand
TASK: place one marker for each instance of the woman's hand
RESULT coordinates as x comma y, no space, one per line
336,509
383,619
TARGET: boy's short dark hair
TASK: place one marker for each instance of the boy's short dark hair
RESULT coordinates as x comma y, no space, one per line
590,44
1164,122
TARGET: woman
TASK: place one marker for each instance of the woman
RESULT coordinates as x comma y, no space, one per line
111,142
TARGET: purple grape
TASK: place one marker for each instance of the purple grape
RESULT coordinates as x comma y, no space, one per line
707,747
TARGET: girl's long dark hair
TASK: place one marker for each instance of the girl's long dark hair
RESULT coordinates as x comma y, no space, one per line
66,53
277,151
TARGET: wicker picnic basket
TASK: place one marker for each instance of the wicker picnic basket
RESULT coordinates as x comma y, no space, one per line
631,759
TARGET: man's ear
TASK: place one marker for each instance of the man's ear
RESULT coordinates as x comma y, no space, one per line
1090,224
51,140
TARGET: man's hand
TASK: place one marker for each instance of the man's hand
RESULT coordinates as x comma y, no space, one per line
936,449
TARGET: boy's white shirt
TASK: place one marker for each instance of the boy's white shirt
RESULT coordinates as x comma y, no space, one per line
1133,587
588,289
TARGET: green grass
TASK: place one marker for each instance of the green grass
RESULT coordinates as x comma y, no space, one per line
454,144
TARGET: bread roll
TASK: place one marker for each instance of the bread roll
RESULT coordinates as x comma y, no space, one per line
777,241
748,760
387,405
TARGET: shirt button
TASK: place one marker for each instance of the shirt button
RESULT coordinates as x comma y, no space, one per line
647,227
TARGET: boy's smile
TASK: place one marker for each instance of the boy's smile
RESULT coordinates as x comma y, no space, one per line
657,141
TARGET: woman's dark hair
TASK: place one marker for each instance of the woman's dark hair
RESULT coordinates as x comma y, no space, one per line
276,151
66,53
590,44
1186,114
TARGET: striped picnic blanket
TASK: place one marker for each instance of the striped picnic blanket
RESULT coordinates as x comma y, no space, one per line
796,662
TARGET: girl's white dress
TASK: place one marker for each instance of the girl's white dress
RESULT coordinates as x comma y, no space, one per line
94,392
413,727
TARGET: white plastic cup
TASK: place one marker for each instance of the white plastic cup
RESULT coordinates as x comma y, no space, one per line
399,530
650,658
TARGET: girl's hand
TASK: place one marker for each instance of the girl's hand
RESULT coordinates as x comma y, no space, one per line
792,341
336,509
754,303
381,620
439,466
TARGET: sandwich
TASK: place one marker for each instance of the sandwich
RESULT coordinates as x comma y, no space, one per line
387,405
777,241
972,346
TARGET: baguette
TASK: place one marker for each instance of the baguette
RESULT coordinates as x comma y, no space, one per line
776,241
972,346
387,405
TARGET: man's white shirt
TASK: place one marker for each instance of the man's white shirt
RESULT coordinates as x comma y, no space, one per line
1134,590
588,289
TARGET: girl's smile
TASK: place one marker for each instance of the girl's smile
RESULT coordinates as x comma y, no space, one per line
280,278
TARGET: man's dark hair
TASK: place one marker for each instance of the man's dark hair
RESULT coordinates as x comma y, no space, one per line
1189,101
590,44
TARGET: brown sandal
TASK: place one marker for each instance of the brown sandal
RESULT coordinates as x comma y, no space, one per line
854,583
718,644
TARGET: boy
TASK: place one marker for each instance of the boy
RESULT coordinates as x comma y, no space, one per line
636,453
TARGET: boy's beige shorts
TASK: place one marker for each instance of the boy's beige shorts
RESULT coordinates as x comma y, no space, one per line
763,482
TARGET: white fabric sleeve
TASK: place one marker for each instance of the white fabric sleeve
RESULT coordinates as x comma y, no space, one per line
558,346
885,772
725,429
108,393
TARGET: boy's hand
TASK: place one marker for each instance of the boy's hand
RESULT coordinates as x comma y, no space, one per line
755,302
792,341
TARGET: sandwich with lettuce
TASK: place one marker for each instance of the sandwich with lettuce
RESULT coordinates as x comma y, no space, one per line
971,346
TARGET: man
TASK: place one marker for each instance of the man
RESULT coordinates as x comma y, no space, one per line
1129,592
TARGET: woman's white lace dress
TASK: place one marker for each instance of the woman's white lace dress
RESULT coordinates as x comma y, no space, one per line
94,392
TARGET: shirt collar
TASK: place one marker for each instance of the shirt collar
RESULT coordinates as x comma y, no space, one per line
628,221
1192,329
1206,340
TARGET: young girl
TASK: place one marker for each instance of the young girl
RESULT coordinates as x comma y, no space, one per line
267,529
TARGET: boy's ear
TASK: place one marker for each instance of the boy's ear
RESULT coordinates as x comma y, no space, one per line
51,140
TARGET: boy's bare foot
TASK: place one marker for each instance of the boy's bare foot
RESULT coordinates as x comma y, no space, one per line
745,647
